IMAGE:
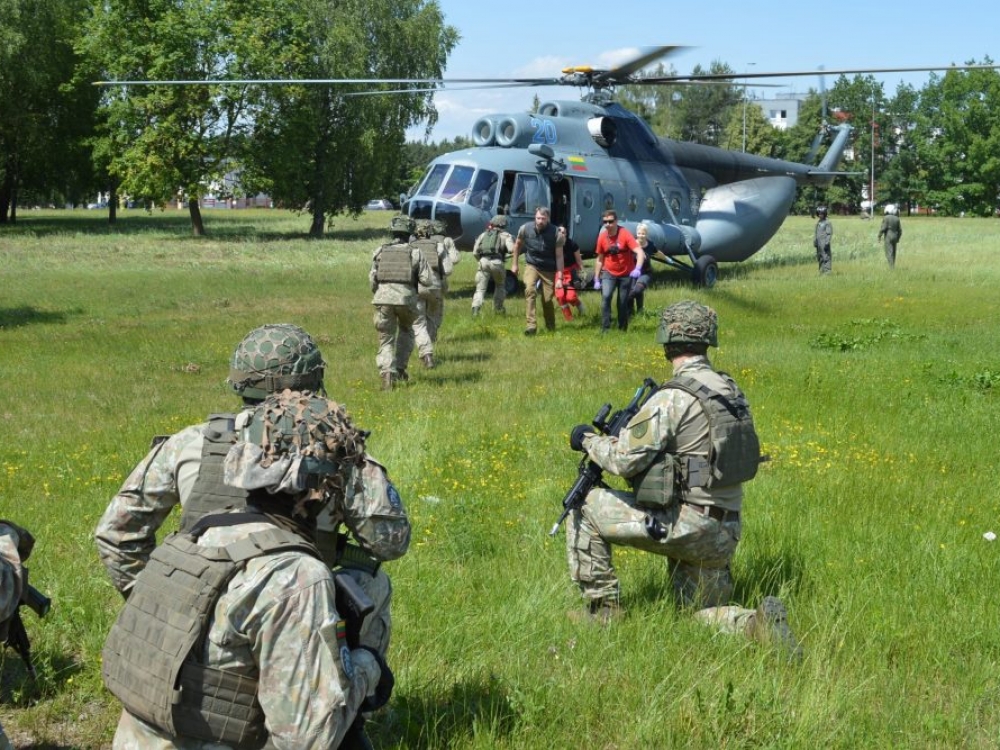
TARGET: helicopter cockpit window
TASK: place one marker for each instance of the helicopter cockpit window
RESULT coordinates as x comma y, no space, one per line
484,189
433,180
528,195
458,183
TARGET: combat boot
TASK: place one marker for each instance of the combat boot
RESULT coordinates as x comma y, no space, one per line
601,611
428,360
475,312
769,625
387,381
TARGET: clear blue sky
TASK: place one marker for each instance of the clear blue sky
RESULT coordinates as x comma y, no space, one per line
517,38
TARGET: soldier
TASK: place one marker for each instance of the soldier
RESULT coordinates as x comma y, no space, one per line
491,250
397,270
822,241
892,230
441,255
186,469
15,547
686,453
231,637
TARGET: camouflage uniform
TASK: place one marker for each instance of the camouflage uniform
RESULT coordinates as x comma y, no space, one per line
491,265
430,300
276,620
271,357
687,502
396,311
168,475
126,534
698,547
15,544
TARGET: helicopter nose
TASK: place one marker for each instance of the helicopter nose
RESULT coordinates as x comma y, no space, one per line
451,216
447,213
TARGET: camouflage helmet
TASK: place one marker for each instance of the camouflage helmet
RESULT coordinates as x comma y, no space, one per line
688,322
424,228
821,212
274,357
499,221
437,226
298,443
401,224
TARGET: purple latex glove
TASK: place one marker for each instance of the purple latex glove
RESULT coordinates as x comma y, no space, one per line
597,283
636,272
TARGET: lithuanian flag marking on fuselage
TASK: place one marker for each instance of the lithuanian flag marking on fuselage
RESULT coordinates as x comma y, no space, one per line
578,163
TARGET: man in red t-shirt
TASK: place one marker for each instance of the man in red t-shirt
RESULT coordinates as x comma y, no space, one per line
619,263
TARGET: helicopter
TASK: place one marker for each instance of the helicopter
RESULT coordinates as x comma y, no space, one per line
701,205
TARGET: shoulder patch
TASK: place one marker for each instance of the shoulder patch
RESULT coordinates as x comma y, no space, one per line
641,433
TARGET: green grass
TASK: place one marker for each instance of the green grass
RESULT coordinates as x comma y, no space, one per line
874,393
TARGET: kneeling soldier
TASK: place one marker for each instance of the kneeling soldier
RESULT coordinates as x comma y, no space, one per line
231,637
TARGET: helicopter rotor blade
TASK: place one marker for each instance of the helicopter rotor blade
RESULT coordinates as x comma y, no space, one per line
799,73
623,73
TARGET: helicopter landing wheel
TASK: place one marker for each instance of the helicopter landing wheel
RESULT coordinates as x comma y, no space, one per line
706,271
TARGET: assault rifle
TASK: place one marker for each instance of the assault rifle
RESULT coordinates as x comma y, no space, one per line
353,605
17,636
590,474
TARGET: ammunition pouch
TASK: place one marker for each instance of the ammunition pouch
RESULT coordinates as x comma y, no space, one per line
660,485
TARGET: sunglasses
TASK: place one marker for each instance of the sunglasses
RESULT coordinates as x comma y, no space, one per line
610,221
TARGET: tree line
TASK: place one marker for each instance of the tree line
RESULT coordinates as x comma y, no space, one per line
313,148
937,147
324,150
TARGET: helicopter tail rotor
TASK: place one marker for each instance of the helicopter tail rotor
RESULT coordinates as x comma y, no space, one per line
824,127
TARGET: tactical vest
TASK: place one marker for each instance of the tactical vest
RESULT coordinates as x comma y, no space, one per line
429,252
210,494
733,456
152,658
491,246
395,266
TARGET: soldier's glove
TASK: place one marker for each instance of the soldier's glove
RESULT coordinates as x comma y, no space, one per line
386,682
576,437
655,529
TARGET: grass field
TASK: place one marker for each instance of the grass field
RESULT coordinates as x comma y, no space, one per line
874,393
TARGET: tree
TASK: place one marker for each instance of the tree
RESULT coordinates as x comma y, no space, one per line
159,142
901,181
654,102
702,111
43,119
320,148
958,141
761,136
